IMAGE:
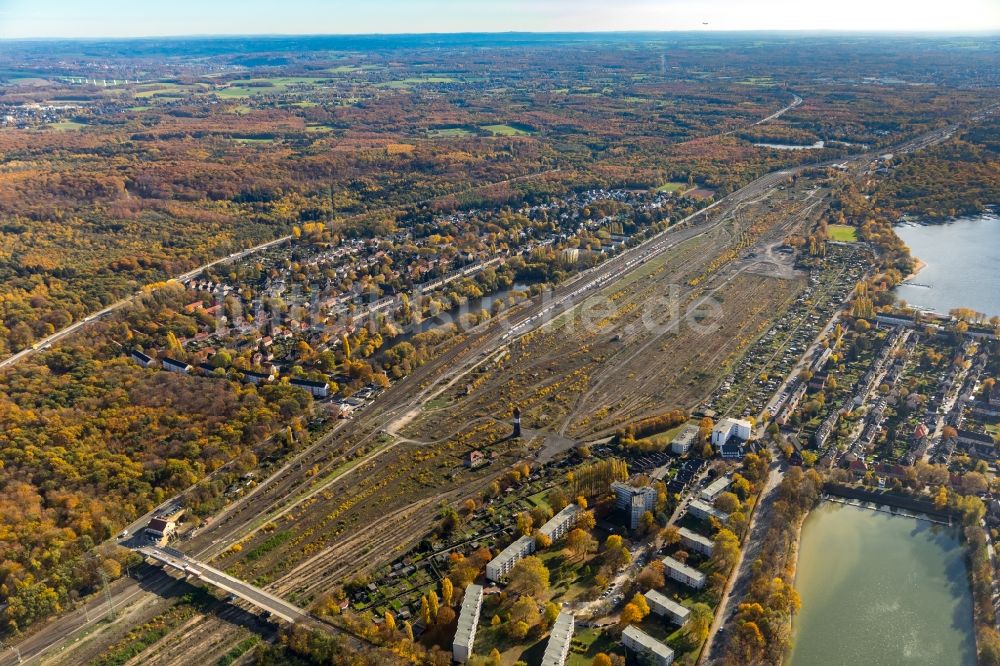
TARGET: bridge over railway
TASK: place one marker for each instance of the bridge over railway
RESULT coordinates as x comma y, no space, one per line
277,606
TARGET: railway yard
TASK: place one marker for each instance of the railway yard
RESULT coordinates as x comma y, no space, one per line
714,315
366,492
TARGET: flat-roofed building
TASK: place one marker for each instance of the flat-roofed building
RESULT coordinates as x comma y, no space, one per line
498,568
727,429
647,650
716,488
696,542
559,640
634,501
684,440
682,573
560,524
468,620
704,511
663,605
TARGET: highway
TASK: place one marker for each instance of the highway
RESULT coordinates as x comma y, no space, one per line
208,574
774,116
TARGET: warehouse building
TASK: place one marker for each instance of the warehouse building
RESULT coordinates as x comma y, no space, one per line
468,619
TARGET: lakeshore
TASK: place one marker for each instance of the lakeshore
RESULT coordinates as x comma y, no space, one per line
956,264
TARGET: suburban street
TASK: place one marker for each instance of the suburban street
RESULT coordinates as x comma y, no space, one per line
736,587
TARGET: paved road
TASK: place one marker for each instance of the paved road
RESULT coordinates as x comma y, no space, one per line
777,114
736,586
46,342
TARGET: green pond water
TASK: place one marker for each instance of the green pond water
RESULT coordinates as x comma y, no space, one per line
881,590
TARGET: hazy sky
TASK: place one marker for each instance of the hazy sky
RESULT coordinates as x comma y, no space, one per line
123,18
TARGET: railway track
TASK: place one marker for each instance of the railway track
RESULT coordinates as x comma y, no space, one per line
287,489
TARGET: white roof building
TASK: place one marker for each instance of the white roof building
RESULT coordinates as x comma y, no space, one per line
716,488
498,568
559,640
649,650
558,525
704,511
696,542
663,605
682,573
468,620
682,443
728,428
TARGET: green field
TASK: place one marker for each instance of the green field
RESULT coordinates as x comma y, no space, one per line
842,233
588,643
416,80
672,187
661,440
67,126
757,81
167,90
508,130
241,88
449,132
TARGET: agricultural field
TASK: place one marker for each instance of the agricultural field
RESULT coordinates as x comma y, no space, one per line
67,126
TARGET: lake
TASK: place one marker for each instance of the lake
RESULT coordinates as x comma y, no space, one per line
791,146
962,264
881,590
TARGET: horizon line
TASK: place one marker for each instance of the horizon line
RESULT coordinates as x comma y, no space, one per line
979,32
